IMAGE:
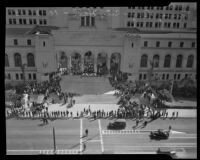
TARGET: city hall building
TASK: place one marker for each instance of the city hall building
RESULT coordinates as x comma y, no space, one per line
101,40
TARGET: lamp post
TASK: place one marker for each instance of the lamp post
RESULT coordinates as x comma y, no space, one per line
23,71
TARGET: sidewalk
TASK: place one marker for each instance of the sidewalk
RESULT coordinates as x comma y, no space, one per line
109,107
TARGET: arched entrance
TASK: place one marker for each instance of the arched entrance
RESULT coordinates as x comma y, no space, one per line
101,64
88,62
76,63
115,62
63,60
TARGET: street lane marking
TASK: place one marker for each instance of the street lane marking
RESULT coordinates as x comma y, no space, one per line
101,138
81,135
59,151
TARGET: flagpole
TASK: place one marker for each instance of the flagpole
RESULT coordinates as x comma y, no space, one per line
54,141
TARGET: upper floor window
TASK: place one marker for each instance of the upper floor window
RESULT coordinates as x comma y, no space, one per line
145,44
193,44
17,60
88,21
167,61
24,12
40,12
28,42
169,44
190,61
187,8
34,12
157,44
181,44
144,60
179,61
44,13
15,42
9,12
129,15
156,61
29,12
30,60
44,21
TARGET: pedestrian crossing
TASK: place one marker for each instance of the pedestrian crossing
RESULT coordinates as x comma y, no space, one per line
60,152
110,132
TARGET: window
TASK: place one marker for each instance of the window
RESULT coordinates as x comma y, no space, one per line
144,76
144,60
179,16
9,77
186,75
30,60
34,21
92,21
43,43
185,25
132,24
187,8
167,61
138,15
10,21
180,8
174,25
176,8
147,24
133,15
14,21
150,24
34,12
157,15
15,42
6,61
17,60
29,76
140,77
29,12
129,15
24,12
170,7
9,12
24,21
19,11
21,76
175,16
82,21
20,21
142,15
179,76
193,44
13,12
167,77
179,61
168,25
17,76
174,76
156,61
141,24
44,13
163,76
138,24
44,21
30,21
145,44
41,22
34,76
87,20
190,61
177,25
157,44
40,12
132,45
181,44
28,42
169,44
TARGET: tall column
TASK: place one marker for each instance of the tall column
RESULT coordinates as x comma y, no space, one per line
69,64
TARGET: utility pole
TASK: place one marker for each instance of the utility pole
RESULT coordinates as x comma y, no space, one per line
54,141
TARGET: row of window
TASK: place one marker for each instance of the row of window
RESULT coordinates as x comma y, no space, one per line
19,76
156,24
28,42
163,76
27,21
170,7
87,21
27,12
18,60
157,15
181,44
167,61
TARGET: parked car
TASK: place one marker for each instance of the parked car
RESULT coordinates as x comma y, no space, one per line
118,124
171,153
160,134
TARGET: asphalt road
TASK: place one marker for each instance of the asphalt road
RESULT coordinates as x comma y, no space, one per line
29,137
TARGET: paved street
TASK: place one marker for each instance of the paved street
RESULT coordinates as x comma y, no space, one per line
29,137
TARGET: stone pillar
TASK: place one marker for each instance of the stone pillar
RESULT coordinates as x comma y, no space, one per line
69,61
82,63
